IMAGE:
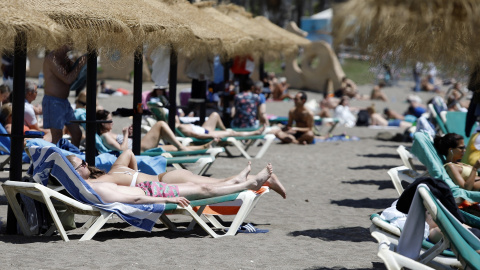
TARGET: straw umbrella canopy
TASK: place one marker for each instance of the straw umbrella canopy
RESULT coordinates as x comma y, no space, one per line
214,36
441,31
38,28
154,25
90,24
300,41
269,43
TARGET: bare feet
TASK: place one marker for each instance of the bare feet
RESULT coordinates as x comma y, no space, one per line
258,180
242,176
276,186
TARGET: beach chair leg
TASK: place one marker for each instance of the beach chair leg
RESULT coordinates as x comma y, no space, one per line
269,138
101,220
11,195
193,222
201,165
89,223
55,217
239,146
247,198
214,221
332,128
434,251
202,223
168,223
4,163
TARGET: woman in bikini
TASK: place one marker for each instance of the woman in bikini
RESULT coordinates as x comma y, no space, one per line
160,131
452,147
124,172
123,183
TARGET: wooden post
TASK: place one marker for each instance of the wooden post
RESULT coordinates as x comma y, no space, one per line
91,126
137,100
18,111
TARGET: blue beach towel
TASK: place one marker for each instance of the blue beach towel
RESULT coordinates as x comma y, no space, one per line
50,161
150,165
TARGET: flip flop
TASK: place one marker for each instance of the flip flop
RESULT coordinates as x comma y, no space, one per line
248,228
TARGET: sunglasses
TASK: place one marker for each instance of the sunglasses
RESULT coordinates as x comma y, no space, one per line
83,164
462,147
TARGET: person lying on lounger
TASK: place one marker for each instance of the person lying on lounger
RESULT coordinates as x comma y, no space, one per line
160,131
125,179
452,147
208,129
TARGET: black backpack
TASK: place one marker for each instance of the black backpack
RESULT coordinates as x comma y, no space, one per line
362,118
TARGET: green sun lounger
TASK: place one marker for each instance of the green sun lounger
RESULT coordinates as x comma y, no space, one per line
424,150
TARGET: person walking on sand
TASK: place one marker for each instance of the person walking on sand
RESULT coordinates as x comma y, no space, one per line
302,133
178,186
59,74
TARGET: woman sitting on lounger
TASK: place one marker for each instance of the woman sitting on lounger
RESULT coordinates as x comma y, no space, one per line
452,147
208,129
160,131
123,183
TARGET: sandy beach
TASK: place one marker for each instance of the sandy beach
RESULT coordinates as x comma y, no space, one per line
332,189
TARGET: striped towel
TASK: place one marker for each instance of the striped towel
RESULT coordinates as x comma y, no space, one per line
50,161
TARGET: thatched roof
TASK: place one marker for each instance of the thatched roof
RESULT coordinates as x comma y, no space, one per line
442,31
40,30
216,36
300,41
89,23
269,43
153,25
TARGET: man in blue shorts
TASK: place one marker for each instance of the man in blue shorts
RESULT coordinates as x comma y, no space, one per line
59,74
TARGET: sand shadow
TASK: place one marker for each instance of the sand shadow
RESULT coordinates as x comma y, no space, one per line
365,203
381,156
387,146
372,167
109,232
349,234
382,184
375,266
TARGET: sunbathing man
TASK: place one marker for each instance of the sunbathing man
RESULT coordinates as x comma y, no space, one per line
302,133
209,129
178,186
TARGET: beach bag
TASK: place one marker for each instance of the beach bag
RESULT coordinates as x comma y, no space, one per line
363,118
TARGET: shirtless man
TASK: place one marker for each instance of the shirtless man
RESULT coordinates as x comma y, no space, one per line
178,186
57,111
302,133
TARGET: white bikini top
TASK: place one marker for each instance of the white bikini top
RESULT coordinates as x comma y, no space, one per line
134,175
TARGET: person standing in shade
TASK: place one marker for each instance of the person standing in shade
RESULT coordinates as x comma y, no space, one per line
59,75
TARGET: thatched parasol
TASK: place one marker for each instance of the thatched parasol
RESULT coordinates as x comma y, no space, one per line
270,43
38,28
300,41
90,24
442,31
153,25
216,36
